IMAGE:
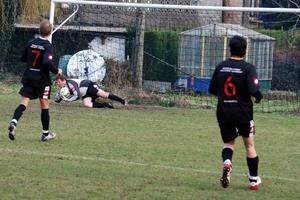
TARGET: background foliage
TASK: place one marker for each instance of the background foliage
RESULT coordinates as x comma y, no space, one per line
8,13
280,20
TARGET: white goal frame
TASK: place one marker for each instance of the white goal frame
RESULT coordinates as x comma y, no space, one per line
141,5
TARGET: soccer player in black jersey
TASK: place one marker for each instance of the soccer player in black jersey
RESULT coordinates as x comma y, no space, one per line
88,90
38,55
234,81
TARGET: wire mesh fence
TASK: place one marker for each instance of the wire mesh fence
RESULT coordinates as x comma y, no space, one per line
166,56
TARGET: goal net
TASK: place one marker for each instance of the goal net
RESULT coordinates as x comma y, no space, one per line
164,51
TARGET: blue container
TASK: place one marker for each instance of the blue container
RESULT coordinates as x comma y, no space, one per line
63,63
199,84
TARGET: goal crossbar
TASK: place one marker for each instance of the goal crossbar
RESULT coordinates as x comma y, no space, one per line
185,7
165,6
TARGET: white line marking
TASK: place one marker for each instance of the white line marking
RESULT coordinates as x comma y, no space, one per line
137,164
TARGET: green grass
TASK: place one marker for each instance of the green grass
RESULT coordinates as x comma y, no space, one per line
139,152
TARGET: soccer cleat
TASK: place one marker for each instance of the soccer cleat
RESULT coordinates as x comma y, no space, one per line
254,181
12,131
110,105
225,178
50,136
125,103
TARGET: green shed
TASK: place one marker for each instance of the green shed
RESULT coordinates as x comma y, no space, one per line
202,48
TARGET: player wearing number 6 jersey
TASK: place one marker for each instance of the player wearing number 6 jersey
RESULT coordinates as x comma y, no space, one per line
36,81
234,81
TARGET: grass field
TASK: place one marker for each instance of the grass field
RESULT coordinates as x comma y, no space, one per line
139,152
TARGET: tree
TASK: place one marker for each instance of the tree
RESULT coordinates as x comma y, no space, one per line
8,14
281,20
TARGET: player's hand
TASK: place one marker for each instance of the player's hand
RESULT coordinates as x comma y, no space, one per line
57,98
60,72
257,101
65,99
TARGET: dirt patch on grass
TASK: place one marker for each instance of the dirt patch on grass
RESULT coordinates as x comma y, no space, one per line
5,90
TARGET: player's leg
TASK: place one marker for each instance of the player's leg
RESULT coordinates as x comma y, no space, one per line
111,96
20,109
227,153
89,102
252,162
44,96
95,91
247,131
228,134
249,146
26,93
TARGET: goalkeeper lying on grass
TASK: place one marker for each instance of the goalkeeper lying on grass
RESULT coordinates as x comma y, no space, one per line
88,90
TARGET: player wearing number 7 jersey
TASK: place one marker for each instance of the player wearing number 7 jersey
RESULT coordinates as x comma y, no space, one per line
234,81
36,81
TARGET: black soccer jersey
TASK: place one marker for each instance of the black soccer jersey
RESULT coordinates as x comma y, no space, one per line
234,82
38,54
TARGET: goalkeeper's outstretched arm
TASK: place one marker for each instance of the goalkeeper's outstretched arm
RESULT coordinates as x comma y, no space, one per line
73,98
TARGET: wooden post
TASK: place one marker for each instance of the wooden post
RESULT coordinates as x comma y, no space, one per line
139,48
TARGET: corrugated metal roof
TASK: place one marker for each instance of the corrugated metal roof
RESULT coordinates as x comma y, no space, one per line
220,29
